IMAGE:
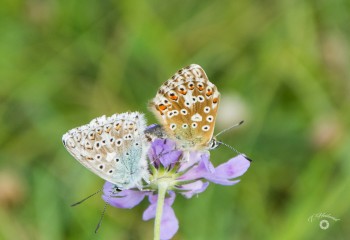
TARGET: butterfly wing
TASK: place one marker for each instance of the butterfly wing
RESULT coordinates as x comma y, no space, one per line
113,148
186,105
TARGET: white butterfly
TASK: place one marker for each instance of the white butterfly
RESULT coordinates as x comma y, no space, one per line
113,147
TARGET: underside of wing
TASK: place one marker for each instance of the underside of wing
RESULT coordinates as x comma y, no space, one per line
114,148
186,105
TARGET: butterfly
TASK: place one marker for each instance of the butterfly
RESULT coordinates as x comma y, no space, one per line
186,106
113,148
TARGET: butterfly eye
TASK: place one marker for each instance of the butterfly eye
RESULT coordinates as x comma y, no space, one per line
213,144
184,126
194,125
111,140
110,171
98,157
101,166
215,100
116,160
207,109
183,111
175,112
188,104
173,126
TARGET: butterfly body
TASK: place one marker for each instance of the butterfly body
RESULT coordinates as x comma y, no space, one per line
186,105
113,148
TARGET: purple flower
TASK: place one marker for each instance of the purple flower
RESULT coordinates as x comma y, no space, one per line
185,173
130,198
125,199
163,152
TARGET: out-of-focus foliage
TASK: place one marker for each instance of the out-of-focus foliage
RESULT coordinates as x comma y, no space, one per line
282,66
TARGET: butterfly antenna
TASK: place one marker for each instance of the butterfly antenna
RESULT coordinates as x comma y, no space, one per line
235,150
225,130
103,213
77,203
230,147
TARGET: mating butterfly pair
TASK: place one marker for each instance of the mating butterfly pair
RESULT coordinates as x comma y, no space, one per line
115,147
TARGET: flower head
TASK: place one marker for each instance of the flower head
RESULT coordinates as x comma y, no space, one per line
185,173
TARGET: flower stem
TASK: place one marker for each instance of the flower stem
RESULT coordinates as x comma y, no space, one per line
162,187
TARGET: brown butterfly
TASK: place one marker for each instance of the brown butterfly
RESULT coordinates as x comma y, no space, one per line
186,106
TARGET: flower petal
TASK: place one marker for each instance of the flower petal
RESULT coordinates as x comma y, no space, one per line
163,151
224,182
169,224
150,212
191,158
233,168
193,188
201,170
123,199
169,200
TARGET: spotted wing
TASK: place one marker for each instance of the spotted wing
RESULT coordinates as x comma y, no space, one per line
113,148
186,105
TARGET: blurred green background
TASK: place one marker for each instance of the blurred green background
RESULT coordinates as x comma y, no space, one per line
282,66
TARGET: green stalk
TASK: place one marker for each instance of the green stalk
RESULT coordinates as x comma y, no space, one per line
162,188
